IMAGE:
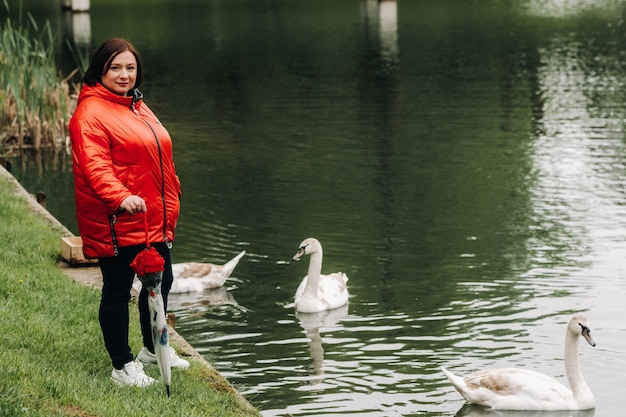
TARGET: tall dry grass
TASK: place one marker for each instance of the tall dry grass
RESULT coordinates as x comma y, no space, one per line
35,101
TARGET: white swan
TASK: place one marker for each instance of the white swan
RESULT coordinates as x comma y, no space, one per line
199,276
318,292
519,389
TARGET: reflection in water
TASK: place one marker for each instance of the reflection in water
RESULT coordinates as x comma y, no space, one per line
200,300
314,324
81,28
388,18
381,16
578,158
568,8
471,410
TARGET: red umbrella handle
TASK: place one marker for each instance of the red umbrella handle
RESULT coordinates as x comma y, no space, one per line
145,225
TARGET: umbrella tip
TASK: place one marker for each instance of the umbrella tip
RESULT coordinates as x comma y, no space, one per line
167,388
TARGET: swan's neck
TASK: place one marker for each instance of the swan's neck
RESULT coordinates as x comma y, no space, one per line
572,368
315,270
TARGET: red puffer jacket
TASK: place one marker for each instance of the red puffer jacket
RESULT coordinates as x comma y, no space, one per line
120,148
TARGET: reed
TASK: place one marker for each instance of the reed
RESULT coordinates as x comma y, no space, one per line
35,103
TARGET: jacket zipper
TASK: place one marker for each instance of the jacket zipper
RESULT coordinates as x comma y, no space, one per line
158,143
136,97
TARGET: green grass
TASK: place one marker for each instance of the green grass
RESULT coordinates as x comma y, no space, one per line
52,358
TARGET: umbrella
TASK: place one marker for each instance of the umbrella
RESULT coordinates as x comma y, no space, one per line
149,266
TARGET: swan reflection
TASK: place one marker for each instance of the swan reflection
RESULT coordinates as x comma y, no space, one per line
313,324
212,297
472,410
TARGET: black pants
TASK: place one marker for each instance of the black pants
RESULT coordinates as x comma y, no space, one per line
117,279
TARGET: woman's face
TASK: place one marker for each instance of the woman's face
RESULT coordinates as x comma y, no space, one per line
122,73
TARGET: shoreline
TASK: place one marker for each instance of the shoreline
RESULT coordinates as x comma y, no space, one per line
90,276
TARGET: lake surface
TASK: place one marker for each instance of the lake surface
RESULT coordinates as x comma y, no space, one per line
463,162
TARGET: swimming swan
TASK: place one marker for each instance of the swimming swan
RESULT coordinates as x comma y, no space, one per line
199,276
318,292
519,389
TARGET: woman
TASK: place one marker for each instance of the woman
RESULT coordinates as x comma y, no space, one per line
123,171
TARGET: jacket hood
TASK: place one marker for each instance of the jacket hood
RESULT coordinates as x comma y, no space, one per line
134,96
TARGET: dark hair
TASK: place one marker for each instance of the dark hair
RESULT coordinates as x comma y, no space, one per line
106,53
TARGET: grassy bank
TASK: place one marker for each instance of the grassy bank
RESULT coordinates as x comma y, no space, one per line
52,358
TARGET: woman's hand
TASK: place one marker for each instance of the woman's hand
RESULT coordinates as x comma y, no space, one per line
133,204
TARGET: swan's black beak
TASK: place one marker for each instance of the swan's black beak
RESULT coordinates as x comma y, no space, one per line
587,335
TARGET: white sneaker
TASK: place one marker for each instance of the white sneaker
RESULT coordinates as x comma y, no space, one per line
150,358
132,374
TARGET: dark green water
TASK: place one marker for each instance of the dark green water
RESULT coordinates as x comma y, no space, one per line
462,161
